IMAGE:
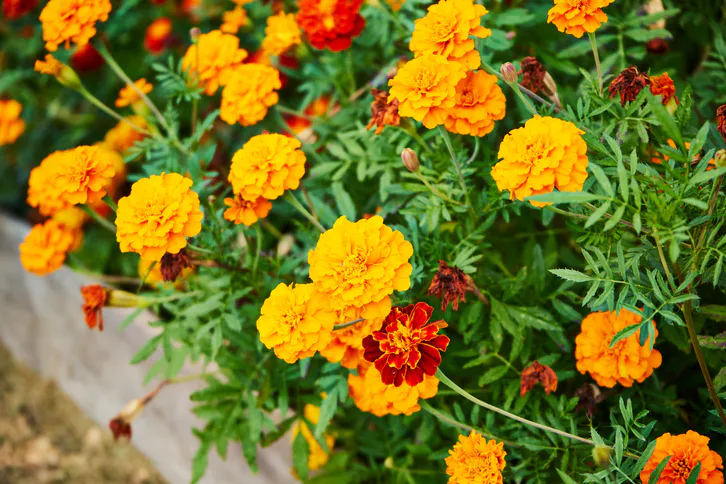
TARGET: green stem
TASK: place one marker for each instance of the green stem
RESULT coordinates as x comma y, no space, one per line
518,91
349,323
433,189
445,418
174,297
457,165
255,261
596,55
286,110
106,224
96,102
411,131
529,93
271,228
303,211
201,250
111,204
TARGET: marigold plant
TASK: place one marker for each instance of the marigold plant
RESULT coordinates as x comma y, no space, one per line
476,459
249,94
11,125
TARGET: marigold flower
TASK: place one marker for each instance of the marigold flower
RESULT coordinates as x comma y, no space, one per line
685,451
296,321
425,88
249,93
721,120
50,66
158,215
119,177
545,154
479,103
474,459
626,362
371,395
14,9
66,21
233,20
94,298
533,74
332,23
407,346
450,285
86,58
383,113
158,35
123,136
72,220
346,345
281,33
446,30
628,84
536,373
246,212
318,456
11,124
219,57
128,95
576,17
360,264
44,249
662,85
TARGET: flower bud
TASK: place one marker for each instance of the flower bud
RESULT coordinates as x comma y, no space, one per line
720,159
601,455
194,34
410,160
117,298
509,73
550,89
68,77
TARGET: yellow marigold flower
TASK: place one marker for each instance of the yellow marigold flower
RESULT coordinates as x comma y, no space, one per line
371,395
158,215
281,33
66,21
360,264
626,362
219,56
72,220
446,30
50,66
128,95
545,154
101,207
576,17
318,457
346,347
479,103
246,212
474,459
295,321
266,166
11,125
249,93
425,88
123,136
233,20
685,452
44,249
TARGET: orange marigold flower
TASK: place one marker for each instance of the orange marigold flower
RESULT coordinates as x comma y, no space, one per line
371,395
545,154
158,215
663,85
250,92
447,29
533,74
318,456
425,88
450,285
281,33
474,459
246,212
319,107
66,21
86,58
266,166
626,362
94,298
233,20
14,9
219,57
11,124
44,248
721,120
128,95
158,35
296,321
383,113
123,136
628,84
50,66
332,23
685,451
72,220
479,103
119,177
576,17
346,345
536,373
360,264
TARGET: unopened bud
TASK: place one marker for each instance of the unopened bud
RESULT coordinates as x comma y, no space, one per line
388,463
549,88
285,245
510,35
117,298
601,455
720,159
69,78
509,73
194,34
410,160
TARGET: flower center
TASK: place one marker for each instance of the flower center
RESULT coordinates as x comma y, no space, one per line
481,464
536,150
425,80
354,265
293,318
78,173
153,210
577,3
404,339
467,98
443,30
326,9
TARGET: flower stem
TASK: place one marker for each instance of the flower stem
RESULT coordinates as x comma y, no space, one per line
433,189
349,323
523,89
518,91
106,224
303,211
96,102
201,250
457,165
445,418
593,44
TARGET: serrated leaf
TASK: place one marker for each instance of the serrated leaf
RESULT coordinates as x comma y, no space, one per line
344,201
655,476
565,197
597,214
625,332
612,222
602,179
492,375
571,275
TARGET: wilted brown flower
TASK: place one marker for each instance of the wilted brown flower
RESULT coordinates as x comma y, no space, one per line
533,74
94,298
120,428
120,425
537,372
721,118
628,84
589,395
449,284
383,113
172,265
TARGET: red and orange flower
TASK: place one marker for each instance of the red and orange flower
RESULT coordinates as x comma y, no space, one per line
330,23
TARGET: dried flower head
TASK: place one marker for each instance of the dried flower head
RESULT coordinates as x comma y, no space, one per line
447,29
249,93
120,425
449,284
476,460
233,20
129,96
173,265
479,102
346,345
721,120
219,56
407,346
628,84
246,212
11,124
533,74
662,85
626,361
281,33
538,373
545,154
123,136
383,112
576,17
318,456
45,247
685,451
330,24
14,9
158,35
589,396
94,298
66,21
360,264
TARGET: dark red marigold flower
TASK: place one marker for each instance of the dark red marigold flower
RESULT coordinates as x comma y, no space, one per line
663,85
450,285
94,298
331,24
86,58
628,84
120,428
172,265
383,113
721,119
657,46
14,9
407,346
536,373
158,35
533,74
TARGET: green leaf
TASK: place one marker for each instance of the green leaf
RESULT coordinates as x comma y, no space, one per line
344,201
705,176
534,317
655,476
327,410
300,452
698,141
666,120
696,203
597,214
644,458
200,462
693,476
615,147
513,16
612,222
602,179
717,342
492,375
623,181
624,333
719,380
565,197
646,35
147,350
571,275
565,478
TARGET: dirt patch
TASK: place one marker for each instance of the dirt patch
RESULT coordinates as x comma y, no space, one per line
46,438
